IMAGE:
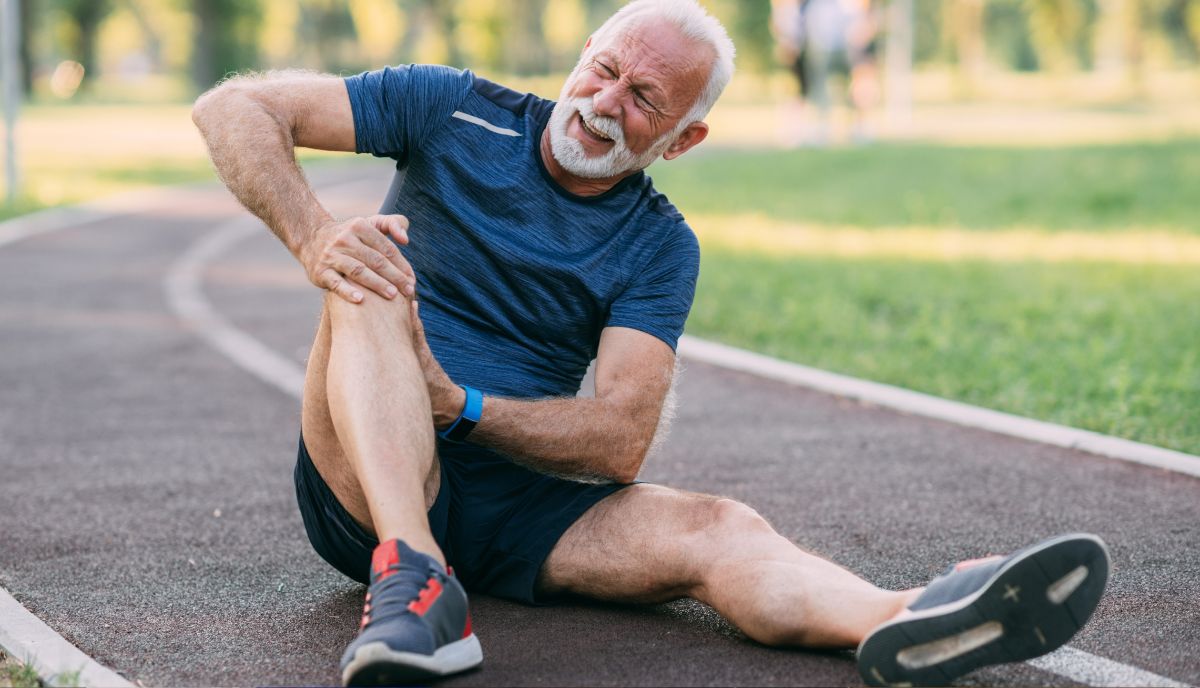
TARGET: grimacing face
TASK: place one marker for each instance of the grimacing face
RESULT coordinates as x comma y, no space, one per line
624,104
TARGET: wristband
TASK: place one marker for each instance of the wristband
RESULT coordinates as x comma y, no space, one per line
467,419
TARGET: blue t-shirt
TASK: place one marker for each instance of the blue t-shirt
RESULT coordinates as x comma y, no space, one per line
516,276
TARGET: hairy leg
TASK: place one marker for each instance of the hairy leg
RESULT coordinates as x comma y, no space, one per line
649,543
367,422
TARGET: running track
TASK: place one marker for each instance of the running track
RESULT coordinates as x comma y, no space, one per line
147,511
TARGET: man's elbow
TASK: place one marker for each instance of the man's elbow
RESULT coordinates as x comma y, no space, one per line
215,104
630,461
207,104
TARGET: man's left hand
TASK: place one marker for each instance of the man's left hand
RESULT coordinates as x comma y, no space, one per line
445,397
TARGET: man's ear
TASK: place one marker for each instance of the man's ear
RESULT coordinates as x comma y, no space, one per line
691,136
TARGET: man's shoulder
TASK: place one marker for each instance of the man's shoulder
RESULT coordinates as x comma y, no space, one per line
519,103
660,210
661,228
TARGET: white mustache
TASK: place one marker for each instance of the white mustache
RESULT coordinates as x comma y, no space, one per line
605,125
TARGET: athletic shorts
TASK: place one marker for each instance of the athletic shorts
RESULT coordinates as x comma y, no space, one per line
495,521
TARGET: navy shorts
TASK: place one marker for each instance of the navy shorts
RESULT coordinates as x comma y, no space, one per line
495,521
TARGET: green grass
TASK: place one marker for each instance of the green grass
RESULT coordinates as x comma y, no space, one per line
14,674
1110,343
1096,188
1110,348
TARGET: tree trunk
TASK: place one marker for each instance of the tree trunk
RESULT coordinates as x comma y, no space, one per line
226,38
525,41
87,15
445,12
414,23
27,30
965,22
154,50
204,44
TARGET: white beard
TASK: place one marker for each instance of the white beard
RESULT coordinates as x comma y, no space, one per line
619,160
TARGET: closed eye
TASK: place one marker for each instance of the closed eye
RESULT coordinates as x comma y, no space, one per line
645,100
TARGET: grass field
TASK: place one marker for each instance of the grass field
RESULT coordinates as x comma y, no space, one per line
1058,282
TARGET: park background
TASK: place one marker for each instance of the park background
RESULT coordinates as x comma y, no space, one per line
1020,233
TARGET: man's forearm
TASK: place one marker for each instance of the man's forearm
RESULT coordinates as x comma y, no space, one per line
253,152
576,437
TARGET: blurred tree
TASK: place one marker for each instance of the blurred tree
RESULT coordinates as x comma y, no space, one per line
280,33
226,38
1007,34
83,19
566,32
1120,43
964,33
327,35
524,47
928,31
1176,25
1191,19
414,24
597,11
445,14
154,50
751,30
27,29
1057,29
423,18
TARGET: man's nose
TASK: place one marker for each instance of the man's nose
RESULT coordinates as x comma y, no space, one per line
607,101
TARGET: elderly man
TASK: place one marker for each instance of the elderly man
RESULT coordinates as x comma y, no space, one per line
444,448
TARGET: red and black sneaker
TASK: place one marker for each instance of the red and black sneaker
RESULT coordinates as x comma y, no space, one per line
415,624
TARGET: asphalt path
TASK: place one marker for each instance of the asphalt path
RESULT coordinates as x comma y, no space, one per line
147,511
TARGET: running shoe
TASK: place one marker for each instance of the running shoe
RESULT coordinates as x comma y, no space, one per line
990,611
415,623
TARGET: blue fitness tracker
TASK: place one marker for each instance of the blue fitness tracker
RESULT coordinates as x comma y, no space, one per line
466,421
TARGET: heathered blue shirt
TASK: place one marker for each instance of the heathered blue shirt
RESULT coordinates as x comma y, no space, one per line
515,275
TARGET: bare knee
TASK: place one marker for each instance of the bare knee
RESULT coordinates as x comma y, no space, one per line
374,314
728,521
727,533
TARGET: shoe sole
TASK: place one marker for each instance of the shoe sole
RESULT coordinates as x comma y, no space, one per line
375,664
1031,606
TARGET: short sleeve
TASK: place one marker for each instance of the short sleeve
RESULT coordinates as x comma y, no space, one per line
396,108
659,299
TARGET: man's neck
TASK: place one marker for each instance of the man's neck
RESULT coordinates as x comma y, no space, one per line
580,186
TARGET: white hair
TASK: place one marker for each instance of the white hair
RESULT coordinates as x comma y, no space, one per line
695,23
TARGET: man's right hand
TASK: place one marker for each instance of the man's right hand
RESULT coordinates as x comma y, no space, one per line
347,256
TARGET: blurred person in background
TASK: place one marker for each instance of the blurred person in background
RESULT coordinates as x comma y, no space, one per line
820,40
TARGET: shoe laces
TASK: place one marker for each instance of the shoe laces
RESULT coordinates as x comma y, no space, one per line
382,603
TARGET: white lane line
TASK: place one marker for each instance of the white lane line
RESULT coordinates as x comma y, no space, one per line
930,406
186,299
286,375
1093,670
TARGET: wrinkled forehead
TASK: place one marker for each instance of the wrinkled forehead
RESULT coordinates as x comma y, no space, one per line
656,48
